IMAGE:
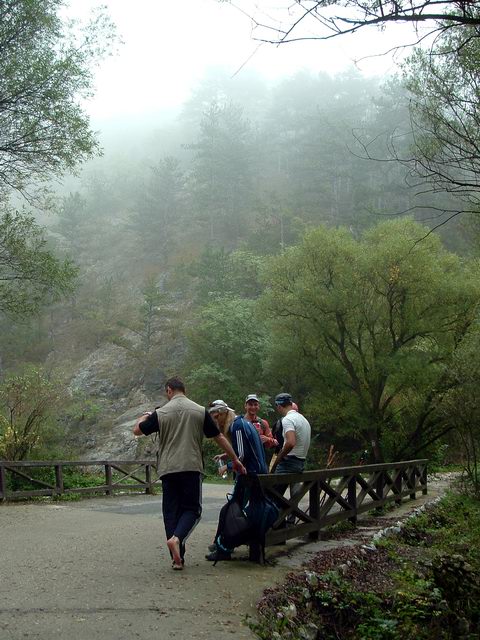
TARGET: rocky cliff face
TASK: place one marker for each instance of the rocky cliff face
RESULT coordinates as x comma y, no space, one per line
105,373
110,380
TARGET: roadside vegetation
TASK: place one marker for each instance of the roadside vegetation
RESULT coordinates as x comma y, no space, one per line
420,580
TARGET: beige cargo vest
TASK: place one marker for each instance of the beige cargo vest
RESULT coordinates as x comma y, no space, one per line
180,436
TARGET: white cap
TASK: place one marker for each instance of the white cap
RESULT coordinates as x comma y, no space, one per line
219,405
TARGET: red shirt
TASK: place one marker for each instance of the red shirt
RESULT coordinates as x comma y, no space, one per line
264,431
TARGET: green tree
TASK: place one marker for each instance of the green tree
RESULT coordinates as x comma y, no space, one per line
223,171
445,107
218,274
160,211
226,350
462,409
80,229
28,405
29,273
150,334
376,322
45,72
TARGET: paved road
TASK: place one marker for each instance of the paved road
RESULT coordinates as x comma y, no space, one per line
213,500
99,569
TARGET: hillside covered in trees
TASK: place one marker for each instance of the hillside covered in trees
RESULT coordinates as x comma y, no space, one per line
268,236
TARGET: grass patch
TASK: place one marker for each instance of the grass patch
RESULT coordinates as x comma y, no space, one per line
337,530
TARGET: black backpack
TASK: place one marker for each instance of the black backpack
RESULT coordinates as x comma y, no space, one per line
249,514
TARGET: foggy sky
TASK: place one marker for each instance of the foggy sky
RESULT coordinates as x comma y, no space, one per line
169,45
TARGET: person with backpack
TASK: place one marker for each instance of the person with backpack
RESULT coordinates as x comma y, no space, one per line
248,447
245,519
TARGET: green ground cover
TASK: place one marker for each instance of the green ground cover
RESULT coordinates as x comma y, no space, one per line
420,582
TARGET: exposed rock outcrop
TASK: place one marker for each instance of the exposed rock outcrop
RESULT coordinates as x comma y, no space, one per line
106,372
110,379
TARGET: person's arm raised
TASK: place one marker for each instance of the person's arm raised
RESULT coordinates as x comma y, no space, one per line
137,430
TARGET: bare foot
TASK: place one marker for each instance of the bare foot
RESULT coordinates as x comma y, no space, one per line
173,545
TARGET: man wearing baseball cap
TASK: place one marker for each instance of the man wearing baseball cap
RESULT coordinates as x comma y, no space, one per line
296,442
296,435
252,405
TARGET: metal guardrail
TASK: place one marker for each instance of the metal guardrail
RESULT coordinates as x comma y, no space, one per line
116,475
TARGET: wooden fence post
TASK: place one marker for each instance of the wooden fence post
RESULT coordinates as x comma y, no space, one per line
379,486
58,479
412,479
314,508
352,498
3,483
398,486
148,479
424,479
108,480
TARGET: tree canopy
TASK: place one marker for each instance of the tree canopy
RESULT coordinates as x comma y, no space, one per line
325,19
374,322
30,274
445,107
45,71
172,243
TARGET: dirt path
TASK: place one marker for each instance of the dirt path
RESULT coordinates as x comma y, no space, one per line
99,569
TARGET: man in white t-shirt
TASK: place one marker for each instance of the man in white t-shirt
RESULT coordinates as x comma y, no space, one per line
296,437
296,442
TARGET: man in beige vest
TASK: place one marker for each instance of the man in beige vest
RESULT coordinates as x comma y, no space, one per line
181,425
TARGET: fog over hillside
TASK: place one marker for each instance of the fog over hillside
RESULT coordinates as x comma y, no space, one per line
235,186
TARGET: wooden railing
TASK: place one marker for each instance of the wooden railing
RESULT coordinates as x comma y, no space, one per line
325,497
320,498
113,475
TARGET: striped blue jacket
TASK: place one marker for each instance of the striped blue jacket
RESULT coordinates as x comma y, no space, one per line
247,445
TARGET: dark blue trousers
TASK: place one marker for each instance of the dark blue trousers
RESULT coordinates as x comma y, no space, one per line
181,504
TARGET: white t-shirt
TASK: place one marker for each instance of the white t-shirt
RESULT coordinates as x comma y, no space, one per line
294,421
